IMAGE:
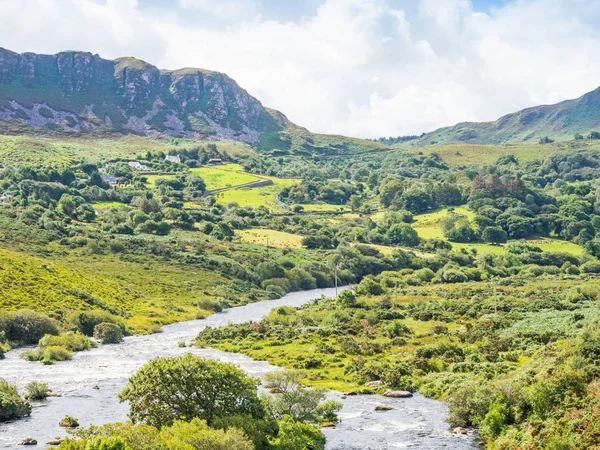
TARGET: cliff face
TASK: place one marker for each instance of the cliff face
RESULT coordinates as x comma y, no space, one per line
77,92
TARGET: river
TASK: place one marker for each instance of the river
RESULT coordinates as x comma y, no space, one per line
417,422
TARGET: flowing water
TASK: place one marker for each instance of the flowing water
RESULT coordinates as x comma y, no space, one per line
90,381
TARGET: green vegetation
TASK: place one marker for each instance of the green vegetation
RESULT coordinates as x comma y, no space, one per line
193,403
37,391
475,270
12,405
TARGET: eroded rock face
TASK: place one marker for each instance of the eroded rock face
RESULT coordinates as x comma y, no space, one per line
81,92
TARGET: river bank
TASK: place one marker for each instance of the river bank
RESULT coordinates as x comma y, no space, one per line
417,422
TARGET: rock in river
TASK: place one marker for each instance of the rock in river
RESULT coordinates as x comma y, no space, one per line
398,394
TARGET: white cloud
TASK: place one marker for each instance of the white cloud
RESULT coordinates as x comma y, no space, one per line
358,67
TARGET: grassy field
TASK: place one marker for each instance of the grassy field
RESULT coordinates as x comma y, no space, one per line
428,225
324,207
224,176
258,196
259,236
148,293
59,152
108,205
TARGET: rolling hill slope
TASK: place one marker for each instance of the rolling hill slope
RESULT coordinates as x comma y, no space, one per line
560,122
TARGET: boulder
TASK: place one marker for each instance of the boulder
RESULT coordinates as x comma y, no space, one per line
398,394
383,408
28,441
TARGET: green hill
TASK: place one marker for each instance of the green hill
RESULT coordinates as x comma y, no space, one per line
558,122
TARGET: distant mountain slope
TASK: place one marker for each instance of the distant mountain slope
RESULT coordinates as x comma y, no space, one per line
560,122
77,93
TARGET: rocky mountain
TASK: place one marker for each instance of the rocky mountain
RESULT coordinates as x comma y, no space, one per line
559,122
77,92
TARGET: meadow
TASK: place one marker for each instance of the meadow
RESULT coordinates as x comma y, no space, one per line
274,238
224,176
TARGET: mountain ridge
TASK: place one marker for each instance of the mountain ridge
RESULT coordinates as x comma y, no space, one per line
76,92
559,121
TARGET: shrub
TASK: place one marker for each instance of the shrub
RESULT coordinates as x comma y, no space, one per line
108,333
87,321
346,299
453,276
469,404
196,434
68,422
27,327
590,267
12,405
37,391
368,286
107,443
297,435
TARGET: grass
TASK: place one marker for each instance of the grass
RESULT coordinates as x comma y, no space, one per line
147,293
324,207
428,225
224,176
108,205
257,196
61,151
282,239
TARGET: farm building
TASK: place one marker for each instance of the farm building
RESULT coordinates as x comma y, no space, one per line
173,159
137,166
215,162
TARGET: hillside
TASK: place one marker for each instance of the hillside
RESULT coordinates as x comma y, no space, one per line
559,122
80,94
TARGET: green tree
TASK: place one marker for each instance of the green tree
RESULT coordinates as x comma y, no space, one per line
293,399
402,234
186,387
495,235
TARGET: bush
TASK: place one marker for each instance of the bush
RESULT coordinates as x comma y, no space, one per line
469,404
346,299
87,321
107,443
108,333
297,435
12,405
37,391
58,348
27,327
196,434
590,267
453,276
368,286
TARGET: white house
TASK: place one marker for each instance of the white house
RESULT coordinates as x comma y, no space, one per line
173,159
137,166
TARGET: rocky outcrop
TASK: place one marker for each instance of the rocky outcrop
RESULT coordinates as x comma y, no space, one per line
398,394
78,92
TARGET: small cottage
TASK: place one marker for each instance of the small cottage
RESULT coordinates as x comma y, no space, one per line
173,159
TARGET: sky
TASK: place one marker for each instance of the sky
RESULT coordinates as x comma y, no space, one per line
365,68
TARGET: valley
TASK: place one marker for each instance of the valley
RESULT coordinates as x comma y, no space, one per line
149,207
